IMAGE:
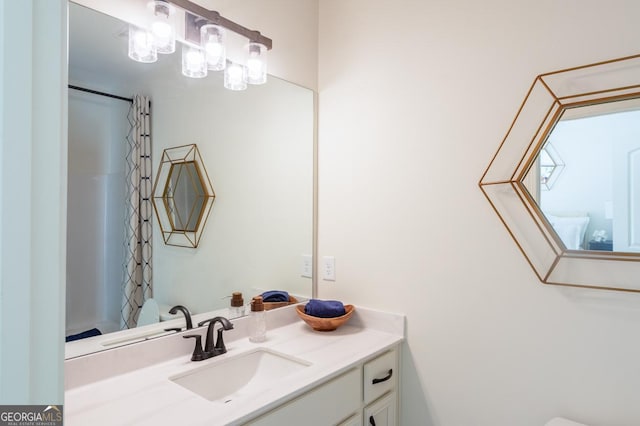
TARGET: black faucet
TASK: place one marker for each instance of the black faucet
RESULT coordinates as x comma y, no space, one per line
218,348
185,311
210,350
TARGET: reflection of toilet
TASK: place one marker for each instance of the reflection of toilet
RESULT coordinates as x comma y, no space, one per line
149,314
559,421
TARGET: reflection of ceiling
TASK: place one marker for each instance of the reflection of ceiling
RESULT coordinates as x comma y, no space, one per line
102,53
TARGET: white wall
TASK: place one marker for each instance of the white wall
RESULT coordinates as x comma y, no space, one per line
415,97
33,182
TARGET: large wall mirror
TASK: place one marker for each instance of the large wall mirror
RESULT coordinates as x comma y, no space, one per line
566,179
257,147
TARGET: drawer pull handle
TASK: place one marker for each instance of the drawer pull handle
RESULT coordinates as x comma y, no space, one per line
372,421
384,379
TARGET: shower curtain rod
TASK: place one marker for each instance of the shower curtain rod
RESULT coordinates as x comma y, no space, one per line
95,92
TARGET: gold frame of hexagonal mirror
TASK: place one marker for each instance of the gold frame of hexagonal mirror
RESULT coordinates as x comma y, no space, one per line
505,184
182,196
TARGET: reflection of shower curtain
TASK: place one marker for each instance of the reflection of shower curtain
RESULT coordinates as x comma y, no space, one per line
137,275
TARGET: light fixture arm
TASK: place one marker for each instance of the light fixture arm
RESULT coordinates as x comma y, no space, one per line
215,18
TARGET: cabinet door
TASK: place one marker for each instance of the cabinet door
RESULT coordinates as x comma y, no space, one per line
325,405
382,412
355,420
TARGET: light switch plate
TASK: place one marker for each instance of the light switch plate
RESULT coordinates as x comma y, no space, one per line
329,268
306,269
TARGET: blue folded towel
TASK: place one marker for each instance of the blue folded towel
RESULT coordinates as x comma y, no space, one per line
275,296
83,335
324,308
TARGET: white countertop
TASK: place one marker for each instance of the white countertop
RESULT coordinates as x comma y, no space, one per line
146,396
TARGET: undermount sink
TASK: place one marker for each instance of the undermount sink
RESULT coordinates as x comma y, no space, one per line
240,375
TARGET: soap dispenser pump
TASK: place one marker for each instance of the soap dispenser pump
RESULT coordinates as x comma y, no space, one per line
237,305
258,321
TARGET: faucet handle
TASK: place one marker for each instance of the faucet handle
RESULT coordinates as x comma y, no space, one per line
198,354
208,346
220,348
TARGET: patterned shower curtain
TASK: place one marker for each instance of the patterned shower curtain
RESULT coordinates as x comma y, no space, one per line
137,284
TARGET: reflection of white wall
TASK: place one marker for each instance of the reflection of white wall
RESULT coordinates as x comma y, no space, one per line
585,184
257,149
587,147
98,127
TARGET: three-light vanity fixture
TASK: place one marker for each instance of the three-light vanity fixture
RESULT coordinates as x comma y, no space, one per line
204,47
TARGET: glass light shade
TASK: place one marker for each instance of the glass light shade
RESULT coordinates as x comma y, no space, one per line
194,64
235,77
256,63
162,26
212,41
141,47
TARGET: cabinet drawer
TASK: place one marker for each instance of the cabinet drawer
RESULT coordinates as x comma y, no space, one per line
324,405
380,376
382,412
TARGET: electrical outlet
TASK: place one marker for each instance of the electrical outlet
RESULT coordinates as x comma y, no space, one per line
329,268
307,266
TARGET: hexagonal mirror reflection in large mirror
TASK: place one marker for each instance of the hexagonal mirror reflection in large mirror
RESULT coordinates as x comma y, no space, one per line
182,196
580,227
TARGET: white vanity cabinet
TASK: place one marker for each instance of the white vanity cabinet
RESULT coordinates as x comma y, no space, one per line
380,381
363,396
325,405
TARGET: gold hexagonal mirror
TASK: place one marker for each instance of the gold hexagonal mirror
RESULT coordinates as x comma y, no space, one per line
584,229
182,196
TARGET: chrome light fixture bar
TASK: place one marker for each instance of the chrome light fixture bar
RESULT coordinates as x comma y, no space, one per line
204,49
215,18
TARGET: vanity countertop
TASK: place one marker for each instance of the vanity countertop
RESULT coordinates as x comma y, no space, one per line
146,396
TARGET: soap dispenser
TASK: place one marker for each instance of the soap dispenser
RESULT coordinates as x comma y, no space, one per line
237,305
258,321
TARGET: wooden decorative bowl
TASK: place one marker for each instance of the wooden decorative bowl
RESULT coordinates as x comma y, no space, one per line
272,305
325,324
